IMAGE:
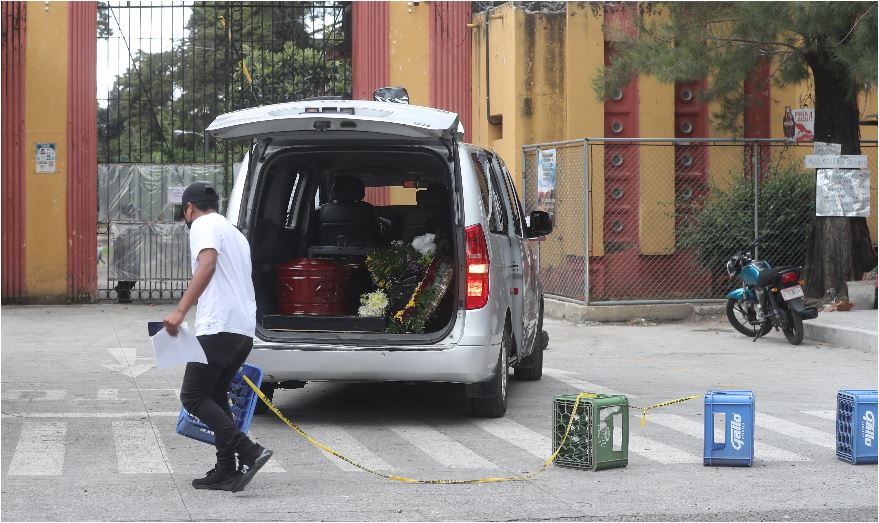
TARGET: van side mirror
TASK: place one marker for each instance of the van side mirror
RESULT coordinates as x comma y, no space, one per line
540,224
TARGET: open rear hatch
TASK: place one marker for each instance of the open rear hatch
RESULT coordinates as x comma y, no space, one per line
339,121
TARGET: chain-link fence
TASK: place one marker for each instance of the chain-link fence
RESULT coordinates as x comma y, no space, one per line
661,217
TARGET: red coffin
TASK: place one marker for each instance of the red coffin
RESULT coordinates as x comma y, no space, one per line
312,287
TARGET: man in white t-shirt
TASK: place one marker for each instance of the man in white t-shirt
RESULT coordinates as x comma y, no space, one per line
225,323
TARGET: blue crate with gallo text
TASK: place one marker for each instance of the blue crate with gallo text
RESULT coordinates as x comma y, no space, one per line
856,426
729,427
242,402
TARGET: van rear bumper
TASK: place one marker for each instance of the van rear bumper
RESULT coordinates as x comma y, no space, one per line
455,363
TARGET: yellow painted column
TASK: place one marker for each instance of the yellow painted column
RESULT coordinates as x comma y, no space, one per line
409,64
657,167
584,112
46,122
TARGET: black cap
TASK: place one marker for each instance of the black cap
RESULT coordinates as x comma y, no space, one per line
198,192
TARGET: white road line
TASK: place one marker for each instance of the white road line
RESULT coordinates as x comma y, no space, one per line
518,435
695,429
824,414
137,449
441,448
40,449
656,451
134,414
794,430
582,386
108,395
343,442
47,395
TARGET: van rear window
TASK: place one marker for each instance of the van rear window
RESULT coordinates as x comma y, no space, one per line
482,179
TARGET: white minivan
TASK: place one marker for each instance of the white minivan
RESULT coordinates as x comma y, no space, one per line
300,195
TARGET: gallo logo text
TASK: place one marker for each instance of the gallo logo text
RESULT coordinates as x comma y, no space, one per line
738,432
869,427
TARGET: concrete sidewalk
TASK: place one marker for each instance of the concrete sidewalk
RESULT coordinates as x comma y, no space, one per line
856,329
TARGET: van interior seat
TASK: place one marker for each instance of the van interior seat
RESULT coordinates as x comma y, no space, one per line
348,221
431,214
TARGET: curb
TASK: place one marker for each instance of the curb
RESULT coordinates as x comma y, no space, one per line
861,339
577,313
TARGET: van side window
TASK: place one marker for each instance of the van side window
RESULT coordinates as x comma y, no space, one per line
482,181
499,211
515,205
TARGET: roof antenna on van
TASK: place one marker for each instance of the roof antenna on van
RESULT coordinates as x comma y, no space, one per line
397,95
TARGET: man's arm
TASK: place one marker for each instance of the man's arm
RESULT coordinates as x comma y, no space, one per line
207,264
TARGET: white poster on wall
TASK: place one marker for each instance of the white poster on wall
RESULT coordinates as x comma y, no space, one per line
842,192
546,171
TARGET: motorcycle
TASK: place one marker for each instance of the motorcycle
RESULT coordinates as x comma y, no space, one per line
770,297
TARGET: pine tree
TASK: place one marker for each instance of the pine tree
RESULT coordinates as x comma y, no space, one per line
831,44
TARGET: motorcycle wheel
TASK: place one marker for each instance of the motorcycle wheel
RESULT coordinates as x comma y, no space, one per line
793,330
739,316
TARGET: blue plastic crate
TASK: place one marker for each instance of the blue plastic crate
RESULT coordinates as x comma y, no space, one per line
243,402
856,426
729,427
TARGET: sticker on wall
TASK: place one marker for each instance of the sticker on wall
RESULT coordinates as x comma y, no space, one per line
799,124
175,194
45,157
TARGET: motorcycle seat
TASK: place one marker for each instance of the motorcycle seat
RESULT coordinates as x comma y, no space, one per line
768,277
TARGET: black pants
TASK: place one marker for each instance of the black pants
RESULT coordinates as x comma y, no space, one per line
205,388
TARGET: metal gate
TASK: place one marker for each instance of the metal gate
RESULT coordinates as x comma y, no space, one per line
165,71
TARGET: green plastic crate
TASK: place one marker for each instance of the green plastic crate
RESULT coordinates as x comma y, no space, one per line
599,436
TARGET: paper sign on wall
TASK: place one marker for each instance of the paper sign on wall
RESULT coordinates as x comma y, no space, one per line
45,157
842,192
175,194
546,170
799,124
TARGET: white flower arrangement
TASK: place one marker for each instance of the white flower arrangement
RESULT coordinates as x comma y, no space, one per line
373,304
425,244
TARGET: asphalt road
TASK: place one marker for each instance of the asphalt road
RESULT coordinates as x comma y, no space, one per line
88,432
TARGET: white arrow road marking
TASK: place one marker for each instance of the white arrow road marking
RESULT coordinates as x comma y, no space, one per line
127,358
40,449
138,451
695,429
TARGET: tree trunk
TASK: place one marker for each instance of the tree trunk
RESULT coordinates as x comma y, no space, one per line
839,248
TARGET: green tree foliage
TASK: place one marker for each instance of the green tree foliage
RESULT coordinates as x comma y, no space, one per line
831,45
723,225
159,107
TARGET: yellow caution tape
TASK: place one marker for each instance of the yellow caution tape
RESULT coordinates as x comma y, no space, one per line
404,479
663,404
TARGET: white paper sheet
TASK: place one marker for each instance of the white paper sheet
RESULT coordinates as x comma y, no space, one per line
174,350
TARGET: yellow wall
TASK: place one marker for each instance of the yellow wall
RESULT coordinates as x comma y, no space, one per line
657,181
46,122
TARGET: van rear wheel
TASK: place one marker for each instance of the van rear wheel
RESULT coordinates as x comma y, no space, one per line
491,401
268,390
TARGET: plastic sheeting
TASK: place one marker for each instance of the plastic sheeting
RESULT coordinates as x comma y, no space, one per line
149,251
139,192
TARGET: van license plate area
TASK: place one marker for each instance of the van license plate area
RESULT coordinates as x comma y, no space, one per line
792,293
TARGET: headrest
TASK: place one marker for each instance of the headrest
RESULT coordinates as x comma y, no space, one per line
435,195
347,189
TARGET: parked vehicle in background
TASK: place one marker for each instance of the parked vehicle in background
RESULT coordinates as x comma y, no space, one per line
770,297
299,199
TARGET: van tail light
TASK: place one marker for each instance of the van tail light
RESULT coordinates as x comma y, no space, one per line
789,277
477,267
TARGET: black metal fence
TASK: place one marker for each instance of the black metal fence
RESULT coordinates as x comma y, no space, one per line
165,71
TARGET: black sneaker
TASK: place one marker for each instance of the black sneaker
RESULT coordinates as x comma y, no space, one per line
217,480
250,465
